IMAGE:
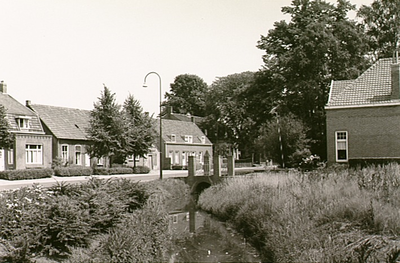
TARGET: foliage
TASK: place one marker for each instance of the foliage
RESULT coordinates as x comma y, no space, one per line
141,170
293,139
106,128
140,132
112,171
6,137
227,120
187,95
73,171
331,215
318,44
382,25
26,174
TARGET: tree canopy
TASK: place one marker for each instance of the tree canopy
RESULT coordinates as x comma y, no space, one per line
6,137
187,95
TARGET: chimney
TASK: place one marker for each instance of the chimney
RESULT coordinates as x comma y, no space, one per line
170,110
28,103
395,76
192,119
3,87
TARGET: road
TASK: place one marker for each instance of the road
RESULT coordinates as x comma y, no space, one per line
47,182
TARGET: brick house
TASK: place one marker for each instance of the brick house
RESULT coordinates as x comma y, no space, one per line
363,116
181,139
32,147
67,127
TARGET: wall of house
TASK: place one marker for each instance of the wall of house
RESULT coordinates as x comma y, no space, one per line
373,132
22,140
72,151
187,149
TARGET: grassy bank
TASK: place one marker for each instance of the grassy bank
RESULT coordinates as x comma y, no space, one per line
96,221
332,215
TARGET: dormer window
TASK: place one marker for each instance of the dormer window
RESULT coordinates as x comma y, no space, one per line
23,122
203,139
173,138
188,138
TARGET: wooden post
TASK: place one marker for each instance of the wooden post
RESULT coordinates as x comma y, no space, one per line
206,166
231,165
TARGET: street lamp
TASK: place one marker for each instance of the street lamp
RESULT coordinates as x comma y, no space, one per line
161,151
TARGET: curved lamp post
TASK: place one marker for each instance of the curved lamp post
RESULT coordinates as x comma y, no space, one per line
161,150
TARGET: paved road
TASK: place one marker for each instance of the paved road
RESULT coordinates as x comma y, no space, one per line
46,182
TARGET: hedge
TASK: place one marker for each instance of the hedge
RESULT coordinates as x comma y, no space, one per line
73,171
112,171
141,170
26,174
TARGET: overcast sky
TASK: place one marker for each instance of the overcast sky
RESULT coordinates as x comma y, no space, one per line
60,52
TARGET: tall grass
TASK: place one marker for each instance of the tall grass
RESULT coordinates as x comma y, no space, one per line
324,216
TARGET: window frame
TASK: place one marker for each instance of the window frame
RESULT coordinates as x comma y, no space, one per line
341,140
33,155
78,159
173,138
188,139
66,159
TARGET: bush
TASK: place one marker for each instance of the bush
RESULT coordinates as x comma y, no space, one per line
112,171
73,171
26,174
141,170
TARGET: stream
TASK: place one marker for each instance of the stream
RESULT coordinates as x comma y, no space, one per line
201,238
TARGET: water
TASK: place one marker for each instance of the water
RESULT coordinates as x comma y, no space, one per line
201,238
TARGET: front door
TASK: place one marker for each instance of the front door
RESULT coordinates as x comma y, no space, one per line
2,160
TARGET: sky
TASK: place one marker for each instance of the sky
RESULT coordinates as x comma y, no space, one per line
62,52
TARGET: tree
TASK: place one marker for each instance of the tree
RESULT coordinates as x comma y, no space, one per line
318,44
286,132
187,95
226,118
140,133
106,129
6,137
382,25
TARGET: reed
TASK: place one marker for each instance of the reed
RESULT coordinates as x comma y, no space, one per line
313,217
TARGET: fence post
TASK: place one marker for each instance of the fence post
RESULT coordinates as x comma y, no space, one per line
231,165
206,166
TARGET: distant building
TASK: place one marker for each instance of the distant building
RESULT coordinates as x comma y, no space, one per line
363,116
32,147
68,129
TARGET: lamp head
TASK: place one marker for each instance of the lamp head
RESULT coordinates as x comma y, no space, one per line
144,85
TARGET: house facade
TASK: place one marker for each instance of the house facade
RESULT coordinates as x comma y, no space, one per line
363,116
67,127
180,139
32,147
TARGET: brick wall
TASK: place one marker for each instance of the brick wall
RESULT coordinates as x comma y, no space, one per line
373,132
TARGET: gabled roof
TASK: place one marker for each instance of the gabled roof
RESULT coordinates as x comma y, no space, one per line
64,123
180,129
372,87
16,110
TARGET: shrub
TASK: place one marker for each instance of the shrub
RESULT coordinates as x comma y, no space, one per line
73,171
141,170
112,171
26,174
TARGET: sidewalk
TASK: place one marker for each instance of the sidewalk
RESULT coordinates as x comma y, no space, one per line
47,182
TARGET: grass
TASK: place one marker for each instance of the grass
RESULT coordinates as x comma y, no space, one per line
327,215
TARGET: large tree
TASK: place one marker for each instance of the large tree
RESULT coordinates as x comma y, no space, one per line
226,118
187,95
317,45
6,137
106,130
382,24
140,133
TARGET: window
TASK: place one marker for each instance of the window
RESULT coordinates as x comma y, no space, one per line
10,156
201,158
78,155
64,153
176,157
341,146
188,138
173,138
23,122
203,139
33,154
